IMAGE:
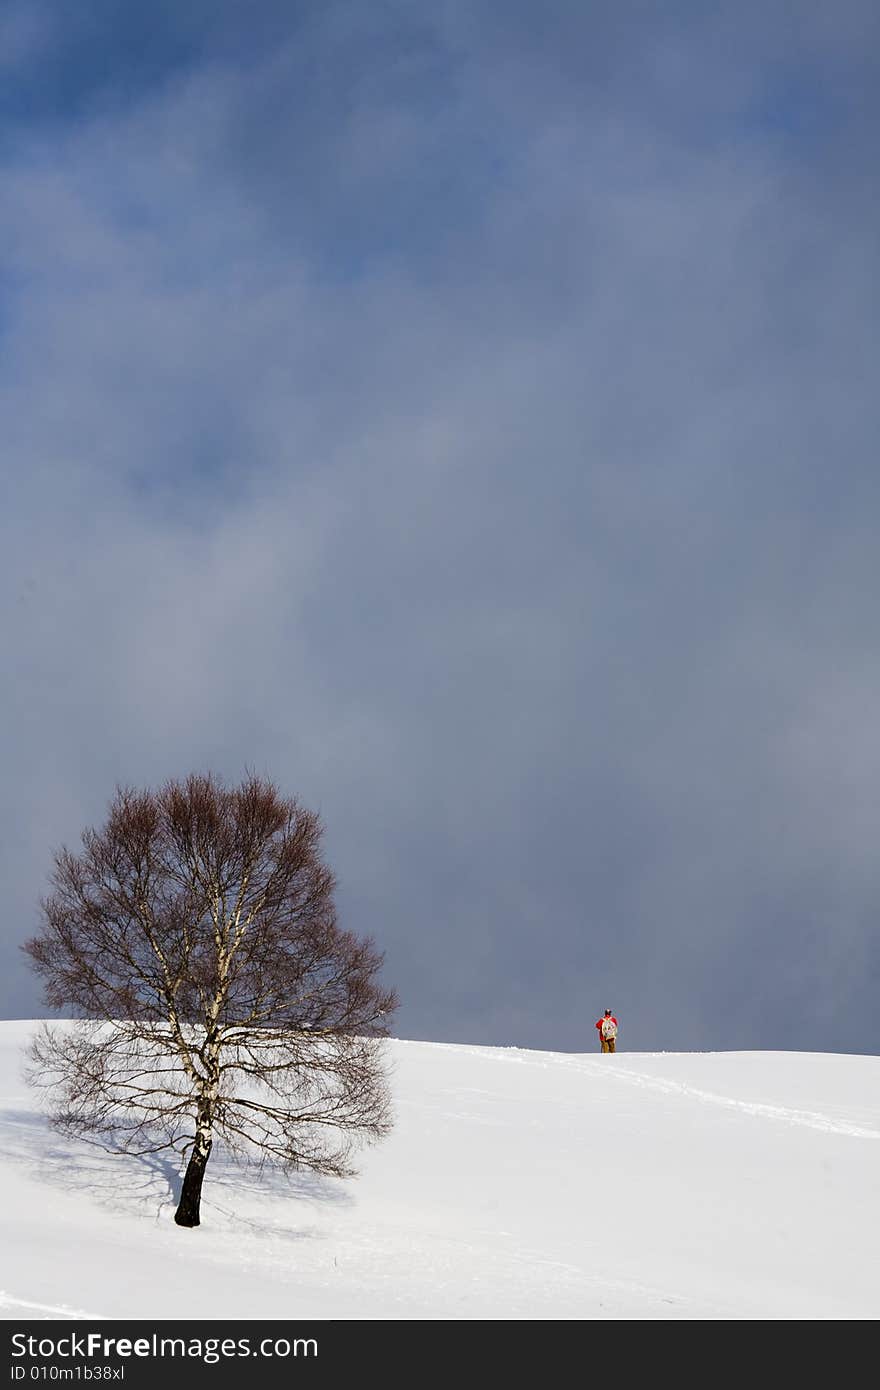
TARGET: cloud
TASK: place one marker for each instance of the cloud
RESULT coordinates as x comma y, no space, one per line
472,431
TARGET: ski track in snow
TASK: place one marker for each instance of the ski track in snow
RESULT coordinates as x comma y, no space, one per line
17,1308
593,1066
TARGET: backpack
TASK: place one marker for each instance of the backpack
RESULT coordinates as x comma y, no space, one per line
609,1028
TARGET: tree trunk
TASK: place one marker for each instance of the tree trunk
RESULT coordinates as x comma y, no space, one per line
187,1213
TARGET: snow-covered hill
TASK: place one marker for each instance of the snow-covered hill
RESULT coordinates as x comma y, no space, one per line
516,1185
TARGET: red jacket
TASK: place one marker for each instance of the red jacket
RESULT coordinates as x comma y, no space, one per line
600,1021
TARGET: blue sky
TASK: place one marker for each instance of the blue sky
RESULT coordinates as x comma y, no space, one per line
465,415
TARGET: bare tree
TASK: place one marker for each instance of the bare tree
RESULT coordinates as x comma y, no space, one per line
195,941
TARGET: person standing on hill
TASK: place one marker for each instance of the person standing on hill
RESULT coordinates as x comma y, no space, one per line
607,1026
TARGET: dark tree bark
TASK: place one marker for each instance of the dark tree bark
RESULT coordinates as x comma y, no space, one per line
189,1207
195,937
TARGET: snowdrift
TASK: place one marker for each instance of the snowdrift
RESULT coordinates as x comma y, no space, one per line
516,1185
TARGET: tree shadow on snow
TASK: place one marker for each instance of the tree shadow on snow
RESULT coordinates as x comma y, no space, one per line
149,1185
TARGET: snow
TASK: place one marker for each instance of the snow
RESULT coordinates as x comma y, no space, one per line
516,1185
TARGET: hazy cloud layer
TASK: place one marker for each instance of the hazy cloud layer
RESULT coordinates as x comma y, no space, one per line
467,416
